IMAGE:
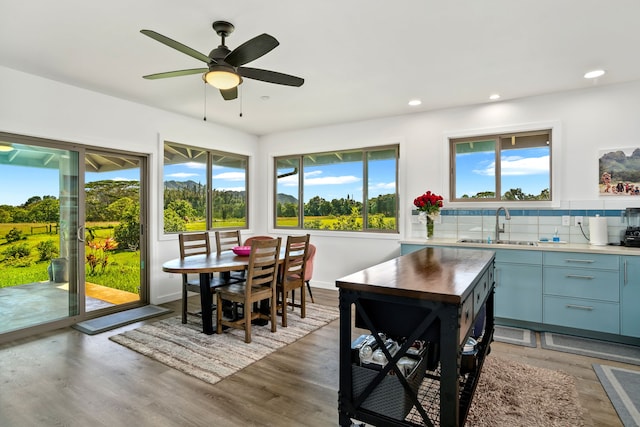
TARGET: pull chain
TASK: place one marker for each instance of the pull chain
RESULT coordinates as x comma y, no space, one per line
205,102
241,101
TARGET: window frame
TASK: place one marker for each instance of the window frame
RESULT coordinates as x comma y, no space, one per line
550,130
195,151
364,151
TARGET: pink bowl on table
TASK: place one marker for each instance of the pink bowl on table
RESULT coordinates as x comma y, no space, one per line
241,250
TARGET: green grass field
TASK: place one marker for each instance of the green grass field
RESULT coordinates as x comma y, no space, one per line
122,270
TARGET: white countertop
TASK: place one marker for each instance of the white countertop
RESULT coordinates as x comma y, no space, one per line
542,246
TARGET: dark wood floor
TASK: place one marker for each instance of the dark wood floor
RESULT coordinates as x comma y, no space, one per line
66,378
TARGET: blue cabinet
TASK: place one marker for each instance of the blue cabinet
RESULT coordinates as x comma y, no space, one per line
630,296
518,289
579,290
582,291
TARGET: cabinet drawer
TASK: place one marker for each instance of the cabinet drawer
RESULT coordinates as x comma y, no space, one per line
582,283
520,257
582,314
481,290
466,318
573,259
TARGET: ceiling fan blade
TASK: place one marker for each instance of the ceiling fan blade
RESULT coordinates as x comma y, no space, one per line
251,50
229,94
270,76
177,45
177,73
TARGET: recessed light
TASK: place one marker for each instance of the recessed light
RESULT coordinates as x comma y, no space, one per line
594,74
415,102
494,96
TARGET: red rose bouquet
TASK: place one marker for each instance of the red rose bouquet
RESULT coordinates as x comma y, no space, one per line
429,202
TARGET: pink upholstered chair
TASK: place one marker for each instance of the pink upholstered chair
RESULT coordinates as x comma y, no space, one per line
309,270
252,238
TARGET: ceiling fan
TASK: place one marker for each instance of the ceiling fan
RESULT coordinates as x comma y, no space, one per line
224,66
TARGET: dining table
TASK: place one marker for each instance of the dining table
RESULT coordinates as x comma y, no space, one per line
223,262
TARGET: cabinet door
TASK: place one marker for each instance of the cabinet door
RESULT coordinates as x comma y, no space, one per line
518,292
630,298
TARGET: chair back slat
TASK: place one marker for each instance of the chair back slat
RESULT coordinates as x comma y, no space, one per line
263,264
296,254
225,240
194,244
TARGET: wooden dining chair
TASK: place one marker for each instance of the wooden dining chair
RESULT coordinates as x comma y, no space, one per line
262,275
192,244
226,240
292,276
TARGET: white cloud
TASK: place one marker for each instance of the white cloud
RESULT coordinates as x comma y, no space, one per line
230,176
182,175
517,166
195,165
383,186
331,180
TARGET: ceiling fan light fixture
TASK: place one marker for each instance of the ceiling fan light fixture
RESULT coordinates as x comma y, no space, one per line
222,77
594,74
6,147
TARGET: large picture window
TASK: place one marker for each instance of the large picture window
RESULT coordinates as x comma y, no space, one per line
203,189
504,167
351,190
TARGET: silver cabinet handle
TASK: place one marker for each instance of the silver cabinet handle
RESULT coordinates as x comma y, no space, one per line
625,272
579,307
576,276
583,261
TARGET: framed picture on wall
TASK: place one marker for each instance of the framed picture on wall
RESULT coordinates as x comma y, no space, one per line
619,172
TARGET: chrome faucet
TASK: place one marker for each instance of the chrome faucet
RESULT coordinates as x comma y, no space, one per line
507,216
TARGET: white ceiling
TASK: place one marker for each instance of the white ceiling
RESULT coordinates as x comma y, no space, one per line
360,59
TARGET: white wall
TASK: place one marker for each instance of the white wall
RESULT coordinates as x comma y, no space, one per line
591,120
588,121
39,107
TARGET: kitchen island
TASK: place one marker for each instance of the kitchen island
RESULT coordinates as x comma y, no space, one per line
435,296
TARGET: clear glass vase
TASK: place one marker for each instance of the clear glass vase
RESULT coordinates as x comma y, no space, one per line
429,224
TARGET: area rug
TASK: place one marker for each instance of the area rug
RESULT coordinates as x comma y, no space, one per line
511,393
623,388
518,336
214,357
592,348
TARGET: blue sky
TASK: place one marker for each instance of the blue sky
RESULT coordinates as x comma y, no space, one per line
25,182
339,180
529,171
328,181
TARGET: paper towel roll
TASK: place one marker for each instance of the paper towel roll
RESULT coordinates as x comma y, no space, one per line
598,231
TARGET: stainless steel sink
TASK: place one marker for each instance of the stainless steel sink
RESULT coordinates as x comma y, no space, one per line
501,242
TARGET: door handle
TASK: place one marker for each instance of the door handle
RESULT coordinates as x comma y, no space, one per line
80,234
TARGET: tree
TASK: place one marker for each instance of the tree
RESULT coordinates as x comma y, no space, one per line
127,233
173,222
182,208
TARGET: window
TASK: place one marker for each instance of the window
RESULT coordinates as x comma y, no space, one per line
508,167
334,187
203,189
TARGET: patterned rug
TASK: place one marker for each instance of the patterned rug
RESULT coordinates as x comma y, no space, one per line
214,357
592,348
623,388
517,336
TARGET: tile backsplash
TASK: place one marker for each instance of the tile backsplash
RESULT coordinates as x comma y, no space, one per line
525,224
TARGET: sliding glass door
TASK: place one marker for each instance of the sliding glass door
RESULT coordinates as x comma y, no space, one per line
114,212
71,221
39,220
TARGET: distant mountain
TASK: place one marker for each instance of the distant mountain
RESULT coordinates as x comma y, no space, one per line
286,198
181,185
